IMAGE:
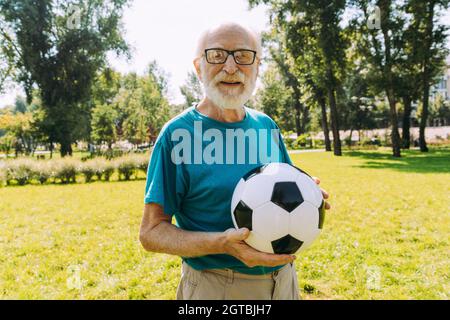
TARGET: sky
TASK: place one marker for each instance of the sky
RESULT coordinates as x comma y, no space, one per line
167,31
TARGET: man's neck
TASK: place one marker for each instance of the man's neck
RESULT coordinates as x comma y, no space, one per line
208,108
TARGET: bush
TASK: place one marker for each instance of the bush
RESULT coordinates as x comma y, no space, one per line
99,167
318,143
108,169
103,168
301,141
19,170
141,162
2,174
88,170
41,171
66,170
24,170
126,167
287,140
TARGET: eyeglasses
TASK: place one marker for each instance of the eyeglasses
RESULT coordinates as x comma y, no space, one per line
219,56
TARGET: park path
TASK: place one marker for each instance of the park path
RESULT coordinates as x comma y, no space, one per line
305,151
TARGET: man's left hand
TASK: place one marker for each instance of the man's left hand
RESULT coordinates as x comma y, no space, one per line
324,194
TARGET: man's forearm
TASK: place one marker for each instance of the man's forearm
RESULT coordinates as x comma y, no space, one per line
167,238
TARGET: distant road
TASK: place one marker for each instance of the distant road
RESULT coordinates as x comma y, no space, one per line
305,151
432,134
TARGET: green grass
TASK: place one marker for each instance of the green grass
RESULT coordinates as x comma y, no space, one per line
387,236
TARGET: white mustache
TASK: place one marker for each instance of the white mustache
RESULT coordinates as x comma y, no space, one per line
223,76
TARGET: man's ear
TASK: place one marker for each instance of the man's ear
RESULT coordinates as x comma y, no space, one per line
197,68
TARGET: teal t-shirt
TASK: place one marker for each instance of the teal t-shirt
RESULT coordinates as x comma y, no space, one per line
195,165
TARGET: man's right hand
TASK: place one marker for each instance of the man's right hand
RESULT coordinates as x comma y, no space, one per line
235,246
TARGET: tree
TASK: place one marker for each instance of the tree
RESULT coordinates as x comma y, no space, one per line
275,99
20,105
431,50
191,90
381,49
60,52
293,83
408,86
316,23
142,106
20,132
104,118
7,56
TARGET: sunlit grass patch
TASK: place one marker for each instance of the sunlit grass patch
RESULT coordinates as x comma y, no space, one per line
386,236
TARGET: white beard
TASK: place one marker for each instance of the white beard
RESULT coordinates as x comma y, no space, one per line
231,100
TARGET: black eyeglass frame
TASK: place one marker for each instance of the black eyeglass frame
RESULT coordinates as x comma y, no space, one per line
231,52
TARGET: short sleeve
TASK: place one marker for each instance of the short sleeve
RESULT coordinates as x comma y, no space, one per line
284,155
165,183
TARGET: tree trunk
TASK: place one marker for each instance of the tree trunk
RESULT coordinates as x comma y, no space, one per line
426,77
395,136
324,120
305,118
350,137
51,149
406,136
424,117
298,127
334,123
389,80
66,149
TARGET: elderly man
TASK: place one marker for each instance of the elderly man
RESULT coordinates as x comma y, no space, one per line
195,184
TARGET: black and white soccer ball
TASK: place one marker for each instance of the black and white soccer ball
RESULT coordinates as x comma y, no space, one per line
281,205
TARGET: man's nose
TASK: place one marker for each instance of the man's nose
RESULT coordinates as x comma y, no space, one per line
230,66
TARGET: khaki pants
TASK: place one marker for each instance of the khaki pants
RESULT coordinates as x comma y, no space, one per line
225,284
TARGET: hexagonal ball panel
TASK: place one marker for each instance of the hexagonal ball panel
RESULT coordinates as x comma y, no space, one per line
280,172
304,221
257,191
259,242
309,189
270,221
286,195
286,245
243,215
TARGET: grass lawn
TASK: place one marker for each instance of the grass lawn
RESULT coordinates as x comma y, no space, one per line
387,236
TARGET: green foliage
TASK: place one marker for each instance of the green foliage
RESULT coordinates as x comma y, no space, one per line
191,90
108,169
3,176
126,167
142,105
19,170
20,132
42,171
66,170
88,170
103,124
62,61
275,98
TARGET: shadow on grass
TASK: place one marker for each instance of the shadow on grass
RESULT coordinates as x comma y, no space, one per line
434,161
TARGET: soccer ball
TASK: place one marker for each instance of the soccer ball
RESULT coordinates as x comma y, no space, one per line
281,205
